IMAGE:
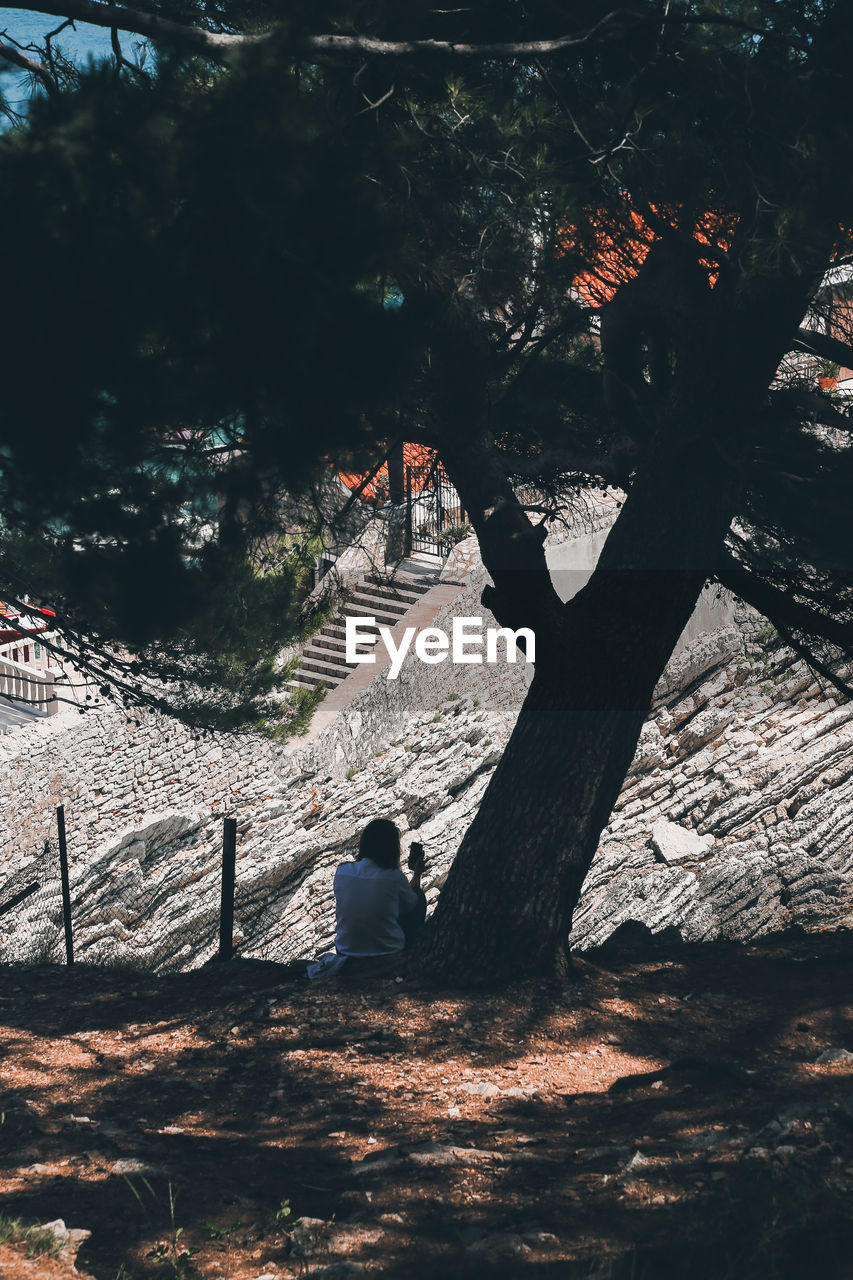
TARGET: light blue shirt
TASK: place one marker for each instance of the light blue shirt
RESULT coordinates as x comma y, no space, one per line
368,903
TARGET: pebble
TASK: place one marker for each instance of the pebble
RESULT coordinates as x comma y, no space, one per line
482,1089
834,1055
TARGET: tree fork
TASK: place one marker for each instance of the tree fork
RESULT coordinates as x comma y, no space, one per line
506,908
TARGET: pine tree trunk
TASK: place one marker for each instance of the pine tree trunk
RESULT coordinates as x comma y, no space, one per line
506,908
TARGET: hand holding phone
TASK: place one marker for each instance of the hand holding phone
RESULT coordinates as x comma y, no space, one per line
417,857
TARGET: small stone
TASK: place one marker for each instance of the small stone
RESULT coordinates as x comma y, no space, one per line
68,1239
493,1248
673,843
482,1089
637,1161
131,1166
834,1055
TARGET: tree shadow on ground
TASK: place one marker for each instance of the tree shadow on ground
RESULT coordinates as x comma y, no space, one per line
665,1118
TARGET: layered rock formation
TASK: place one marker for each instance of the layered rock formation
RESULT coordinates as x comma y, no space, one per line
736,819
745,750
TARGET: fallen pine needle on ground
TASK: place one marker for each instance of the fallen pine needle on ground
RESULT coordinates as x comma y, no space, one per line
669,1114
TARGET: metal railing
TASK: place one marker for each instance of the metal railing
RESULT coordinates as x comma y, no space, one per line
36,689
433,509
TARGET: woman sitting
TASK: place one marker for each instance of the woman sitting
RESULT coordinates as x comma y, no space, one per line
377,910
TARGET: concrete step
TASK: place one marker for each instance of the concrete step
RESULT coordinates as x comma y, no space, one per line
355,609
311,679
334,636
296,683
421,564
322,670
318,656
377,601
332,644
387,599
406,592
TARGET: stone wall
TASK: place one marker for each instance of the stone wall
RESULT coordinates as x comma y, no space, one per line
113,770
736,817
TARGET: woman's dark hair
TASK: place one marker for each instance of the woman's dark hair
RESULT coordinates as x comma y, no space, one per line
380,842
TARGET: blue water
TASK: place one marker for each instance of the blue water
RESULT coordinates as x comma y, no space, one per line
80,43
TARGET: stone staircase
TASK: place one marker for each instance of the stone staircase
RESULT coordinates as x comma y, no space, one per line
385,597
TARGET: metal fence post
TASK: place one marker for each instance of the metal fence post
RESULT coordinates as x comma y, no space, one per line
229,863
66,889
409,536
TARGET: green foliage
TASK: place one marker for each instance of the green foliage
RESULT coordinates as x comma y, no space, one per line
283,1216
229,277
175,1256
37,1242
217,1232
454,533
207,637
145,487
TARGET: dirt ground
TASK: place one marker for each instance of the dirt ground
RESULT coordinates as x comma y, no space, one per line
684,1114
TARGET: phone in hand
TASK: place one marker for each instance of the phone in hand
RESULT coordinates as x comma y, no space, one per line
416,855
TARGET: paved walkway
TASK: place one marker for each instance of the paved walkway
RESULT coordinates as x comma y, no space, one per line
14,715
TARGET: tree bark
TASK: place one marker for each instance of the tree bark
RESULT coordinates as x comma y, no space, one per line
506,908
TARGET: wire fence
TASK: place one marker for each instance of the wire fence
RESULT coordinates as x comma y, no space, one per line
31,905
124,916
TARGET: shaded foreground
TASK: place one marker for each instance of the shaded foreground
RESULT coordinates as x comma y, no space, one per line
688,1114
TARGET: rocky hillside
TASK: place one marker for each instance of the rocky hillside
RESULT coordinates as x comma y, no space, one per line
736,820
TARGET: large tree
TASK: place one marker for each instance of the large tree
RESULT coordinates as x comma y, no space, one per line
606,237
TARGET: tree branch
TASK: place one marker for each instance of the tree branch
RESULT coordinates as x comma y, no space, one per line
822,345
217,43
555,461
195,39
785,613
37,69
819,668
523,594
822,409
